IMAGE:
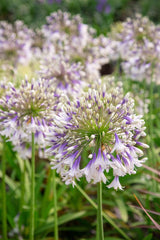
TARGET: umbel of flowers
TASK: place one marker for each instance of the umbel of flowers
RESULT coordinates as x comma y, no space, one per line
64,74
78,41
63,29
26,115
15,42
137,43
26,110
102,123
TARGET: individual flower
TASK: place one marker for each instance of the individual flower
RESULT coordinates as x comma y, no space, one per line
15,43
96,132
26,110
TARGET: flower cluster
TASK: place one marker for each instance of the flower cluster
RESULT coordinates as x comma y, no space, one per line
137,44
62,22
102,123
68,34
90,125
30,108
15,42
64,74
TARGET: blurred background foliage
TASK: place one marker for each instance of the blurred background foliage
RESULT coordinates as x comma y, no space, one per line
99,13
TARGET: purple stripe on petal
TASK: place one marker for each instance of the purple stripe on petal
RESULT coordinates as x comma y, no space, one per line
76,163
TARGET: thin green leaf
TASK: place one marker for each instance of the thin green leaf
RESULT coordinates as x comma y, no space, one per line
122,209
61,220
148,237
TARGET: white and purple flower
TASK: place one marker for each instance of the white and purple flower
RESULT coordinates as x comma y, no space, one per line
102,123
26,110
15,43
137,45
64,75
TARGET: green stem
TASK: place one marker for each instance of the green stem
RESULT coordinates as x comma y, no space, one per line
100,234
55,206
22,185
31,237
150,117
23,170
109,220
152,153
4,213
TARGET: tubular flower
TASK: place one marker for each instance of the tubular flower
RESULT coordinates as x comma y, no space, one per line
27,109
97,132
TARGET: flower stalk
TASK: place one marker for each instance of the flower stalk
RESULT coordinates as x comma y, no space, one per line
55,206
4,213
152,153
100,232
31,237
22,186
109,220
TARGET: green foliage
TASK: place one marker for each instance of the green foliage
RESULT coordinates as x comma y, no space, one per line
33,12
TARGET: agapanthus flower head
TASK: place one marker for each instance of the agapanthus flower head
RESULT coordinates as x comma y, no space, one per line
137,43
140,29
26,110
135,33
60,29
78,41
97,132
64,23
69,33
16,42
143,64
64,74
